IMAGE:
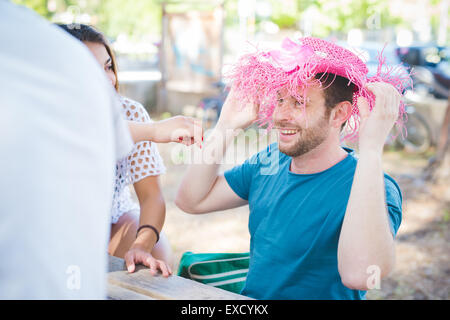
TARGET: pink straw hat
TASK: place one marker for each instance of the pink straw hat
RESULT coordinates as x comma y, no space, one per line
260,76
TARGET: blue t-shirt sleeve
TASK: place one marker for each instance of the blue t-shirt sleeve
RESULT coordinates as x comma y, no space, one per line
394,204
239,178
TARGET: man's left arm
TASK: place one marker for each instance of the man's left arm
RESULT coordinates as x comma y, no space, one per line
366,242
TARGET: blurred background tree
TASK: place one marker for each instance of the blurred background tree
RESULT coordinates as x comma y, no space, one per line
135,18
114,17
40,6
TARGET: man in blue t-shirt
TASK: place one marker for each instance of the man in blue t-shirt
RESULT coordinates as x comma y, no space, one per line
322,223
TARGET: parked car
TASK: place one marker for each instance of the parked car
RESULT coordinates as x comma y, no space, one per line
427,55
431,65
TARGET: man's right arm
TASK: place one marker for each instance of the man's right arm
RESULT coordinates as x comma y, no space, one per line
203,189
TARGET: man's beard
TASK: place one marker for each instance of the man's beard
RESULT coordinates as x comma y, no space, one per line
308,139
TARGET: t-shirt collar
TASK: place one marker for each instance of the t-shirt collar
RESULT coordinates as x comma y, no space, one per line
348,157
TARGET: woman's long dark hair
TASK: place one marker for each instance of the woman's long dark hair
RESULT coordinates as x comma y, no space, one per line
87,33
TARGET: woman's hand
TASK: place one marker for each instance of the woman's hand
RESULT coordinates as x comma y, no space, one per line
179,129
137,255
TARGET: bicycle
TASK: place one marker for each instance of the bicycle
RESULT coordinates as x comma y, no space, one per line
417,136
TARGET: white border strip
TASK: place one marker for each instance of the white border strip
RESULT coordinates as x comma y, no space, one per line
217,275
221,283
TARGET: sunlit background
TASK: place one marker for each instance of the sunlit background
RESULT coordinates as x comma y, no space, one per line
172,56
187,44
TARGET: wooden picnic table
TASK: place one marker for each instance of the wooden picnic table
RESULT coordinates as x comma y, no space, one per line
141,285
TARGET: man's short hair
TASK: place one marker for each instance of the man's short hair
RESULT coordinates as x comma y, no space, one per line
336,89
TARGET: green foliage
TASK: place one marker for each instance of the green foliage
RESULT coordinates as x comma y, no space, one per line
446,215
231,13
285,21
40,6
435,2
332,16
141,17
348,14
132,17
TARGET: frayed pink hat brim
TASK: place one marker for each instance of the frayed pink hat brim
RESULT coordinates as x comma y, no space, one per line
259,76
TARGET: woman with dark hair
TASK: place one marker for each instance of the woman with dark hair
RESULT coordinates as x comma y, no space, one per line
134,227
96,42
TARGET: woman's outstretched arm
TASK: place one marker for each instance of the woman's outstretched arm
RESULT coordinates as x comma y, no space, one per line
179,129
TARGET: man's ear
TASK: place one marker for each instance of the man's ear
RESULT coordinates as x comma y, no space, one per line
340,113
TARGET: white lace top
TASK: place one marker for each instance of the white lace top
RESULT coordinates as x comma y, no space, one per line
143,161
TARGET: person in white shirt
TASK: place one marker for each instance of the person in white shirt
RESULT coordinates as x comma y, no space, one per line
61,133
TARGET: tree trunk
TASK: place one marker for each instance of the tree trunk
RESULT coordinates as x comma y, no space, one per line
438,168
